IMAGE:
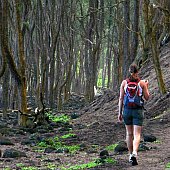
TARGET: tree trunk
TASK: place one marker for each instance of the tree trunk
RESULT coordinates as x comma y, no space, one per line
93,42
147,30
120,48
5,95
126,57
18,74
155,53
109,47
2,17
23,86
151,33
155,58
167,16
89,60
135,30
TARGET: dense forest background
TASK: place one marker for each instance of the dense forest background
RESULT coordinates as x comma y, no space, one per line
52,48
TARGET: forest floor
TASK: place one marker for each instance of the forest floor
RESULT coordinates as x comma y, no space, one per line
96,128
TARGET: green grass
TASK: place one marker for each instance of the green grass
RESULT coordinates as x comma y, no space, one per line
82,166
58,119
69,135
157,142
51,166
73,149
110,161
111,147
91,164
58,145
168,165
42,144
23,167
29,168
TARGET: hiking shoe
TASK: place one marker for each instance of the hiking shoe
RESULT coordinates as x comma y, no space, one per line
130,160
134,161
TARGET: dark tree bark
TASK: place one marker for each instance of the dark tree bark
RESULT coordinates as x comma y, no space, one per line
135,30
147,30
126,57
89,55
5,93
19,74
153,28
3,61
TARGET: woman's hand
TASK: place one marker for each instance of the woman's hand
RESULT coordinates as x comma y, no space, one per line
144,85
147,83
120,117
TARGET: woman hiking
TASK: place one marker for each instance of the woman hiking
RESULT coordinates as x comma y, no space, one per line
132,92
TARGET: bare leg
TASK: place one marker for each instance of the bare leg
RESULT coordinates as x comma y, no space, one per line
137,136
129,137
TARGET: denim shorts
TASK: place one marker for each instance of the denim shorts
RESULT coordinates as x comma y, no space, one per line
133,116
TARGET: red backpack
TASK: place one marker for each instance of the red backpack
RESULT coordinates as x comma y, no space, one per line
133,98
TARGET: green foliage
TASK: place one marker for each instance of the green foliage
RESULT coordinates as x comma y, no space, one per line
69,135
42,144
168,165
39,150
99,79
29,168
73,148
82,166
157,142
111,147
58,119
51,166
57,144
90,164
23,167
110,161
99,82
54,142
20,165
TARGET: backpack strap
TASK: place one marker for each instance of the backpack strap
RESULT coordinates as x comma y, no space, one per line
128,80
138,80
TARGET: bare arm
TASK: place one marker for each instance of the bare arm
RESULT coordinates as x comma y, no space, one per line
145,89
121,97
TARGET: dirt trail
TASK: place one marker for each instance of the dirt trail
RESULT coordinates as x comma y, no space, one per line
154,159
